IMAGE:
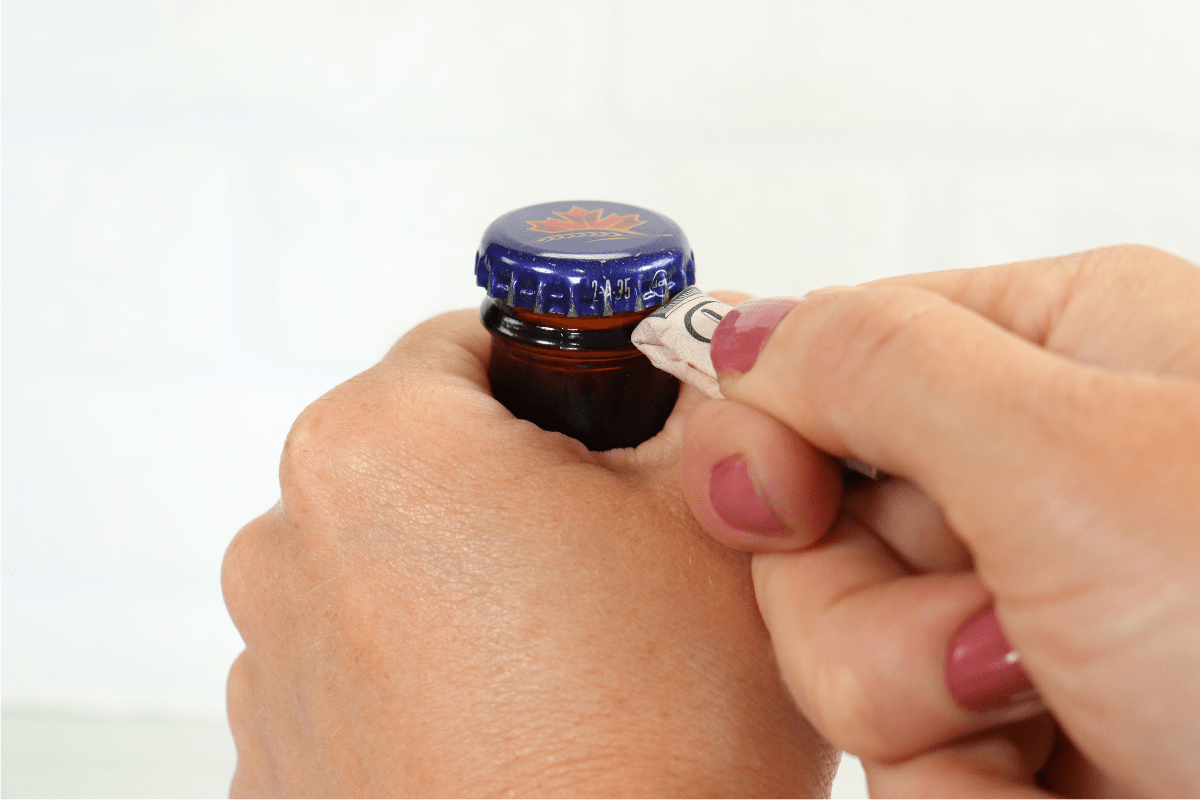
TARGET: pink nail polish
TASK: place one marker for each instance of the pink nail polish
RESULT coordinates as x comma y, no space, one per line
740,337
983,671
735,500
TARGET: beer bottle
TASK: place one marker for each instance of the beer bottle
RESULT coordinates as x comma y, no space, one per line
566,285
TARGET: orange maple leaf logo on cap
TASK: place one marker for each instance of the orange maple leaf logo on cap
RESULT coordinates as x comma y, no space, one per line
580,219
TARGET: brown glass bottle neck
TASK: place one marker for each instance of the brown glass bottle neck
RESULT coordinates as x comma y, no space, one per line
558,331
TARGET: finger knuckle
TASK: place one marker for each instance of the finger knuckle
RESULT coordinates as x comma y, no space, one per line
327,453
358,455
239,697
846,711
245,576
256,735
861,697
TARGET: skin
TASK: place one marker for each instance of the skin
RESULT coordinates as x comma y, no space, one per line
1041,422
448,601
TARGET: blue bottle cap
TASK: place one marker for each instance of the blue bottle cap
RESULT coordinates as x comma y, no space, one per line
584,258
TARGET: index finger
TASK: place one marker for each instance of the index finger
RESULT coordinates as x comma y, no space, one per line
987,423
454,345
1124,307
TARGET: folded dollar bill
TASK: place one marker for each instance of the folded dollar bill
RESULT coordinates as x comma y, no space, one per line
677,338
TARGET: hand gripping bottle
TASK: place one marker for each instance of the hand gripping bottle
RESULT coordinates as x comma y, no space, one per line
567,283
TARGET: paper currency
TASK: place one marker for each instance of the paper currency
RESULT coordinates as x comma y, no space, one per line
677,338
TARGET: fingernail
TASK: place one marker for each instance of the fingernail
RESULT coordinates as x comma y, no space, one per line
740,337
983,671
736,501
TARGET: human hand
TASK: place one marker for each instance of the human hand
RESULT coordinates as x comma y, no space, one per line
449,601
1043,424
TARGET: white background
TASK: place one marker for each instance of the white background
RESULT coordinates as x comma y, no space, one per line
214,211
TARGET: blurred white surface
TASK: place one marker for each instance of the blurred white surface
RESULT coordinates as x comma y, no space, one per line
215,211
64,753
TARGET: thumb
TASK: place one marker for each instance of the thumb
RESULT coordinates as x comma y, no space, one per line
1001,433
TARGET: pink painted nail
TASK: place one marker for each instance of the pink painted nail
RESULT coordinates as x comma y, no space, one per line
740,337
735,500
983,671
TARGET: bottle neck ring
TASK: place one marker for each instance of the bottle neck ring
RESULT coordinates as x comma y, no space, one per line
557,331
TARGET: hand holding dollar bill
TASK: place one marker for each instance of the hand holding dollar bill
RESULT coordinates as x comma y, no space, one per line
677,338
